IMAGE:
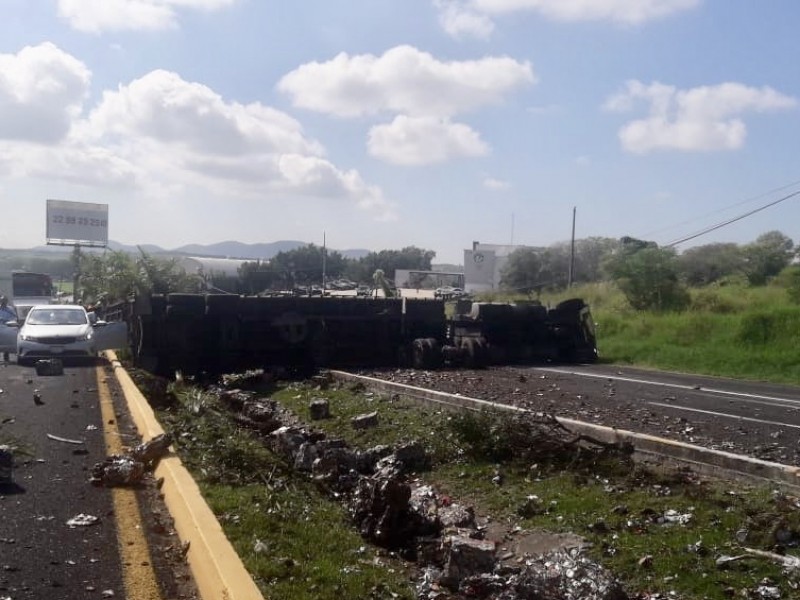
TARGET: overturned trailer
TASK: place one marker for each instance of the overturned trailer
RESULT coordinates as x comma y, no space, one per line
214,333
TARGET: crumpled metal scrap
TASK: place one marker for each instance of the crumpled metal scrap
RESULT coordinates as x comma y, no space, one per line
129,469
566,576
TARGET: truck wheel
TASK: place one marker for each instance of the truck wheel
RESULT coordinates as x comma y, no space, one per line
476,354
419,353
434,356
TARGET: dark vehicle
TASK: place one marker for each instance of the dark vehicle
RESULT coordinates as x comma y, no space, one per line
197,333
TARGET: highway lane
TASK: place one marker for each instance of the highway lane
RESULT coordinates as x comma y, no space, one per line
761,420
62,434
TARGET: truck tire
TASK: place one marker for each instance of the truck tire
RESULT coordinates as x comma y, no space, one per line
475,353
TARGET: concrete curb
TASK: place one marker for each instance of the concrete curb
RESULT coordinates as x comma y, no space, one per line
703,460
217,569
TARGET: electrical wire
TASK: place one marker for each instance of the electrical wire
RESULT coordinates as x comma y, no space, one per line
729,221
650,234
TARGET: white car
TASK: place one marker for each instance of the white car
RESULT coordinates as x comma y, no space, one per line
65,331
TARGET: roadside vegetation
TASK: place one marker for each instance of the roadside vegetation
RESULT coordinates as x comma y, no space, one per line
661,532
732,330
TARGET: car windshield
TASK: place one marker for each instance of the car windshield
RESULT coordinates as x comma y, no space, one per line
56,316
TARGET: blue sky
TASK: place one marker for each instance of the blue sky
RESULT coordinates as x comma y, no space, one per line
388,123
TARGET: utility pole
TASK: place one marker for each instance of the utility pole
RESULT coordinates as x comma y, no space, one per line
571,252
324,261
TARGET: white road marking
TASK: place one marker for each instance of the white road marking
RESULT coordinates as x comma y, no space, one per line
721,414
679,386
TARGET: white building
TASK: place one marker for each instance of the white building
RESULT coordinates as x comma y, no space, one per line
483,266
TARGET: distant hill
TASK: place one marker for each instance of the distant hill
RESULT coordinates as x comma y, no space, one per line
232,249
229,249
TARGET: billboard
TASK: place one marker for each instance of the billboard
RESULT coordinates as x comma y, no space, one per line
77,223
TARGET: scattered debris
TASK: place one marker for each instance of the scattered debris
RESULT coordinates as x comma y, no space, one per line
129,469
65,440
319,408
52,366
788,562
83,520
367,421
6,464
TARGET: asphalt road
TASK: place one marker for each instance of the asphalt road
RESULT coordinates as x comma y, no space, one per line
41,555
761,420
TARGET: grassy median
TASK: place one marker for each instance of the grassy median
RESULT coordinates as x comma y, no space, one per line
659,532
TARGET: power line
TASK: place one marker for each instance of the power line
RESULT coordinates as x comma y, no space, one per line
723,209
729,221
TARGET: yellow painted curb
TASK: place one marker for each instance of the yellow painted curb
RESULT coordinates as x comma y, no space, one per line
217,569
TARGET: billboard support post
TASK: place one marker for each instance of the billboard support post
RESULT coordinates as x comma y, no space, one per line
76,274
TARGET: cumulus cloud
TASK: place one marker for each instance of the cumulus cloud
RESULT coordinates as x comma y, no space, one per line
160,133
461,18
461,21
163,107
704,118
42,90
421,92
416,141
403,80
95,16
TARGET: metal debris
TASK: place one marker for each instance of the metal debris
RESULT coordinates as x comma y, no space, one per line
129,469
63,439
83,520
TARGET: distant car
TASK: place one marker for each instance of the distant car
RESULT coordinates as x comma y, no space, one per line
448,292
65,331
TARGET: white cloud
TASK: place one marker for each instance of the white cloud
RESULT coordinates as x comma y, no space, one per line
422,92
498,185
460,18
413,141
163,107
460,21
42,89
404,80
699,119
160,134
95,16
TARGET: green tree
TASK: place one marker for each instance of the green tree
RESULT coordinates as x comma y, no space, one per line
767,256
115,275
303,266
703,265
648,276
523,271
389,261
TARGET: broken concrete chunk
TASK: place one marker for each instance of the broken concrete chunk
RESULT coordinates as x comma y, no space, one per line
319,408
118,470
287,440
467,557
6,464
52,366
457,515
151,451
366,421
307,453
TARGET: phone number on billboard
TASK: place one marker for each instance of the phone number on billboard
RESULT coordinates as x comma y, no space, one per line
67,220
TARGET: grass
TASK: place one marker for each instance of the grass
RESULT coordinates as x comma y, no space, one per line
733,331
298,544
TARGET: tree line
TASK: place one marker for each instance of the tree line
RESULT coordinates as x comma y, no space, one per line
653,277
